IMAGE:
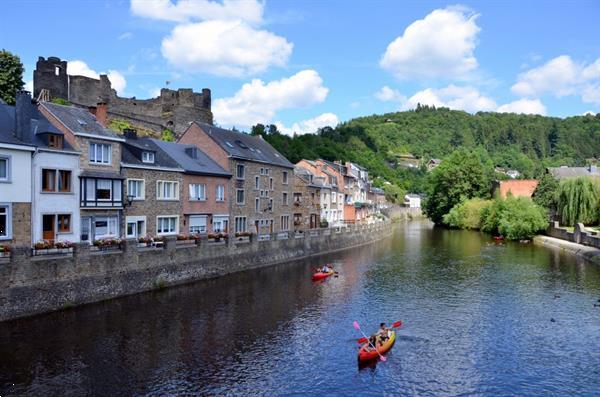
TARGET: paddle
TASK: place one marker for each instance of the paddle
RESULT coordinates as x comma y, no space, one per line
397,324
357,327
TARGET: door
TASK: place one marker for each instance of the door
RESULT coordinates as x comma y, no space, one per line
48,227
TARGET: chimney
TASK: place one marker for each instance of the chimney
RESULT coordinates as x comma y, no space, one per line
101,113
130,133
22,120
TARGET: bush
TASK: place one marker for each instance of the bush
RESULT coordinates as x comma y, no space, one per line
467,214
578,201
515,218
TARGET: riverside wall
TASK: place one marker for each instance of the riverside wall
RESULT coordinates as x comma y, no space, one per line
32,285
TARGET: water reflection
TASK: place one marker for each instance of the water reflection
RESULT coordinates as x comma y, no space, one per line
477,320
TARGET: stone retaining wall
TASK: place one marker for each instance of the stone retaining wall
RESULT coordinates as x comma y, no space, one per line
31,285
580,234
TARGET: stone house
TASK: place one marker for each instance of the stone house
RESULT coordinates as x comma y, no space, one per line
306,198
153,189
15,182
517,188
205,200
100,181
261,184
326,176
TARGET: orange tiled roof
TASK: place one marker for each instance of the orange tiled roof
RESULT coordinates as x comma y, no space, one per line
518,188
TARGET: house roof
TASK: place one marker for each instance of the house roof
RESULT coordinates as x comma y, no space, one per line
518,188
573,172
201,165
244,146
7,125
80,121
131,154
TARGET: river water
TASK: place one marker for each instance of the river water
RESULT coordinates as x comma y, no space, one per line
479,319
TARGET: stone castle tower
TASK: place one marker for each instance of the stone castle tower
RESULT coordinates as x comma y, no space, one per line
174,110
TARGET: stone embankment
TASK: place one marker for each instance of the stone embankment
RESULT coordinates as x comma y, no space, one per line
32,284
580,241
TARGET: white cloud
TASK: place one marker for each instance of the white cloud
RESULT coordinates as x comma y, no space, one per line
525,106
561,76
80,68
29,86
250,11
454,97
125,36
225,48
588,113
257,102
387,94
440,45
309,126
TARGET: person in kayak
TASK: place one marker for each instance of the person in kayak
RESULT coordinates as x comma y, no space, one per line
325,269
379,337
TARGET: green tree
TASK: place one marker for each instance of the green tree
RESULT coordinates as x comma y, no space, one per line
258,129
11,76
578,200
467,214
394,193
545,193
459,177
167,135
515,218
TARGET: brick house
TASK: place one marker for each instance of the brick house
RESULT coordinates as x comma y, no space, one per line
153,188
306,199
205,200
261,184
100,181
517,188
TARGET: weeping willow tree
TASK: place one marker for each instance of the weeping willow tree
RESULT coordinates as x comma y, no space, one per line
578,201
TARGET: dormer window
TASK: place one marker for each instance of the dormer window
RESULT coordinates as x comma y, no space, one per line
55,141
148,157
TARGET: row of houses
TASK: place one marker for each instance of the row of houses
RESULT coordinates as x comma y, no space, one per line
64,176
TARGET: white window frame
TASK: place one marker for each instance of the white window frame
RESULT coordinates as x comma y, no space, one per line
256,182
8,207
160,190
236,196
285,178
271,205
194,191
169,233
285,198
221,189
143,188
8,160
240,221
94,159
281,225
239,167
257,205
205,217
271,184
148,157
135,220
108,224
220,220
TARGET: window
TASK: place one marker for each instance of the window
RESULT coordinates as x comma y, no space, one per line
220,193
147,157
135,188
100,153
104,189
135,226
239,199
256,182
285,178
167,225
271,205
297,197
284,199
56,181
220,223
5,222
198,224
167,190
262,193
240,224
4,169
271,183
285,222
197,191
55,141
240,171
106,226
64,223
262,171
101,192
257,204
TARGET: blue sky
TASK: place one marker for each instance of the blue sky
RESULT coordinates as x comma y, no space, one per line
305,64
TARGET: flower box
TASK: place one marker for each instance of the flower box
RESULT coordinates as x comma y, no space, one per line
4,251
107,244
45,247
217,237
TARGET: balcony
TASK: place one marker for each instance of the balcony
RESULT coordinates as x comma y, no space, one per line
101,192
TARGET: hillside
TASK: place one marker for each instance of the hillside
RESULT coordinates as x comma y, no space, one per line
526,143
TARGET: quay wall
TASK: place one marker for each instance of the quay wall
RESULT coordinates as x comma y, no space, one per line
31,285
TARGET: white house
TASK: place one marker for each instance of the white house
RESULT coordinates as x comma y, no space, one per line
412,201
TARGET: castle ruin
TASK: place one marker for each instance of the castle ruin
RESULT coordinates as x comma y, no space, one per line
174,110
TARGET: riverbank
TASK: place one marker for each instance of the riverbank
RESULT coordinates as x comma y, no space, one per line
590,253
31,285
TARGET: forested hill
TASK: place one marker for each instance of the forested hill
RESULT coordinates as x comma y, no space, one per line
526,143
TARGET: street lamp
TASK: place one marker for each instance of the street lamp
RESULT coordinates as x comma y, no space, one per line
130,198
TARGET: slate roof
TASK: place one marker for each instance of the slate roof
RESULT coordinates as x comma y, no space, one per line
7,125
202,165
79,120
573,172
101,174
244,146
132,149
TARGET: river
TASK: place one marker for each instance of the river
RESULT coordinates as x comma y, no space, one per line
479,319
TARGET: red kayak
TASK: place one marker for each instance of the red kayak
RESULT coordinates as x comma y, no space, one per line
367,353
321,275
